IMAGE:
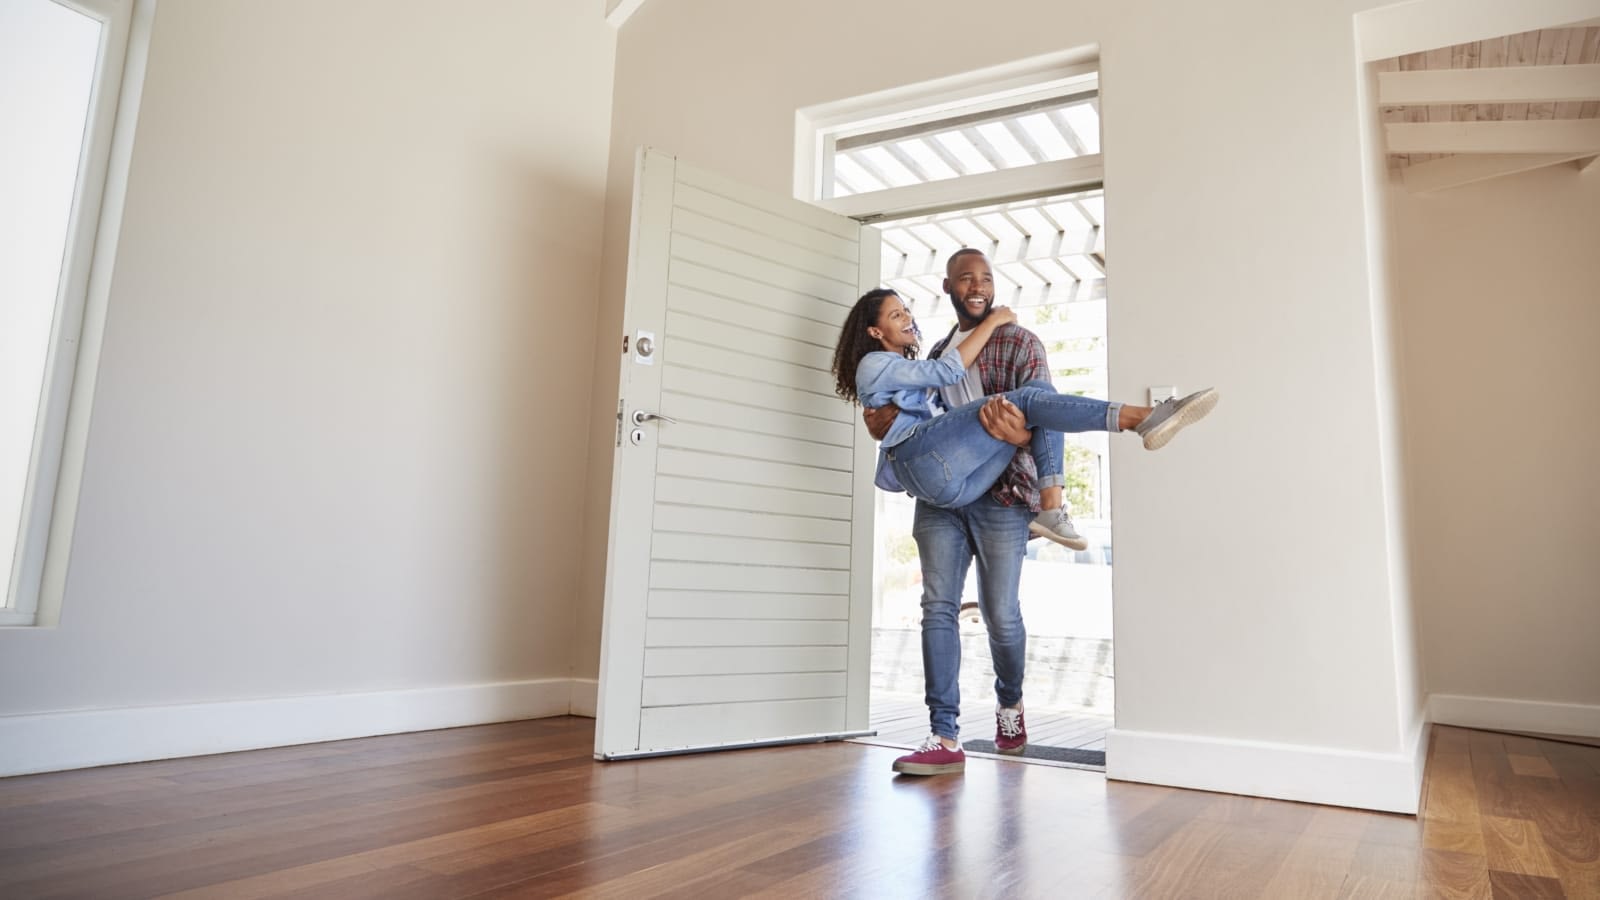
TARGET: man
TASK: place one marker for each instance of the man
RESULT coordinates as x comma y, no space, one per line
993,530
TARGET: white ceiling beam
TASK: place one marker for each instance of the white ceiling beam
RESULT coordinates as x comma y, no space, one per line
618,11
1511,84
1544,136
1454,171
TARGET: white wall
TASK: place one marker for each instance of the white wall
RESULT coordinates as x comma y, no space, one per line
331,449
1255,597
1499,297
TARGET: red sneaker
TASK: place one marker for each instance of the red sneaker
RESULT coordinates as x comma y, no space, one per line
932,758
1010,732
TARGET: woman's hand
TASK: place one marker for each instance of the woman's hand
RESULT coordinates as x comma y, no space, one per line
1003,315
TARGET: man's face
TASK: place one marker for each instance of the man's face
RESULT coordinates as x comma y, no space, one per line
970,284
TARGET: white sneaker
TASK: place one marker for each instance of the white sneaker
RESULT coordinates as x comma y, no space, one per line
1056,525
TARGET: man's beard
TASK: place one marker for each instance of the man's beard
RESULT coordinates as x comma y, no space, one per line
965,319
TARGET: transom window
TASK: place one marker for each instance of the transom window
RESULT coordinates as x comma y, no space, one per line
1055,128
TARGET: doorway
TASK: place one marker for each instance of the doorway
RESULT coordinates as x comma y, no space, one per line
1049,263
1014,171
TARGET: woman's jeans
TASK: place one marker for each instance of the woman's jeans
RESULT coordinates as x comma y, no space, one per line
950,461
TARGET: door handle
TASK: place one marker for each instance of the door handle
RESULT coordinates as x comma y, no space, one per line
640,417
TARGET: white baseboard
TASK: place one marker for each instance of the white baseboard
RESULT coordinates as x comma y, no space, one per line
585,697
1578,719
1391,782
74,740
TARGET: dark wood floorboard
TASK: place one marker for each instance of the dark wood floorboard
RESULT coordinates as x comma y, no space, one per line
521,810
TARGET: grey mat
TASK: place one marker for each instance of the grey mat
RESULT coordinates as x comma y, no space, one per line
1054,754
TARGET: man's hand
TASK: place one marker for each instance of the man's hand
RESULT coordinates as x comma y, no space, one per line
879,419
1004,422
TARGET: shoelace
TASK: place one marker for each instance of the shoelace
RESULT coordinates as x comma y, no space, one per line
932,743
1010,722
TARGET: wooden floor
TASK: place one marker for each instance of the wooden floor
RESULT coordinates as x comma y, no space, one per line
902,720
520,810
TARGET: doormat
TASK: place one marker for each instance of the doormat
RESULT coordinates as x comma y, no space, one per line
1035,751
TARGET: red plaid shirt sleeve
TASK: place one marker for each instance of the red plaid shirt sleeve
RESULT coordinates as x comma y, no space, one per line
1013,357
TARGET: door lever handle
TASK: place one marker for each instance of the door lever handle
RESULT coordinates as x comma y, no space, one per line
640,417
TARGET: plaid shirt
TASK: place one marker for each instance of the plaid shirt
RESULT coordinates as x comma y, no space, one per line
1013,357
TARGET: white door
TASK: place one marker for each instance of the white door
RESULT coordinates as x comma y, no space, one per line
738,583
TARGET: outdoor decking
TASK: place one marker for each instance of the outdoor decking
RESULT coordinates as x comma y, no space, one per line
902,720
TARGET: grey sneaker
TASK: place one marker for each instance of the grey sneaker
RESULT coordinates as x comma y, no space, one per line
1056,525
1172,416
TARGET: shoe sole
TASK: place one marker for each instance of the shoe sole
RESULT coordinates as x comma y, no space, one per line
1197,409
1015,751
1081,543
930,769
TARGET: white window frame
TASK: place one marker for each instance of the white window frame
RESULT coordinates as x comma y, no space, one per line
50,497
819,128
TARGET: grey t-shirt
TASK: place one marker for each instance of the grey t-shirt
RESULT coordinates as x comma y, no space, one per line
966,390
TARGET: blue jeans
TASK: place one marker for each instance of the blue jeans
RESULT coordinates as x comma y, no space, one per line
950,461
947,541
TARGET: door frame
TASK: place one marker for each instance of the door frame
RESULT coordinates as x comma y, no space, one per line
1083,173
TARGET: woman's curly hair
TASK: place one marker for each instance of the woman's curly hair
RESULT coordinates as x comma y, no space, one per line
855,343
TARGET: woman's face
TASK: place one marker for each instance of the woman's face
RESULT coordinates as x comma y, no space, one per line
895,328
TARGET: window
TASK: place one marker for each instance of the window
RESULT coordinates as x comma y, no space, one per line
62,63
1057,128
1034,121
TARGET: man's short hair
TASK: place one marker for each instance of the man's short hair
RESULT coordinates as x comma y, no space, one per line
964,251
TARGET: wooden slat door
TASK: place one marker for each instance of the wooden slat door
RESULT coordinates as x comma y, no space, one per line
738,590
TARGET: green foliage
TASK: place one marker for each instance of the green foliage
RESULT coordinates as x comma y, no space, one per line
903,549
1051,313
1080,489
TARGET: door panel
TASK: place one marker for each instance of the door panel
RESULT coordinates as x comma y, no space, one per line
738,583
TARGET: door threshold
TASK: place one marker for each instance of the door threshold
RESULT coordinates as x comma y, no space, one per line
875,741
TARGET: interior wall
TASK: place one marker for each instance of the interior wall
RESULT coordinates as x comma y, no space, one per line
332,445
1499,298
1254,593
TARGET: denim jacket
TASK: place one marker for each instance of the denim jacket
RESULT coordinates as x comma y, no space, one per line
911,384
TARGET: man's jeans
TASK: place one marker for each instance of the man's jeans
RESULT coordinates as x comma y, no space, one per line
950,461
947,540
